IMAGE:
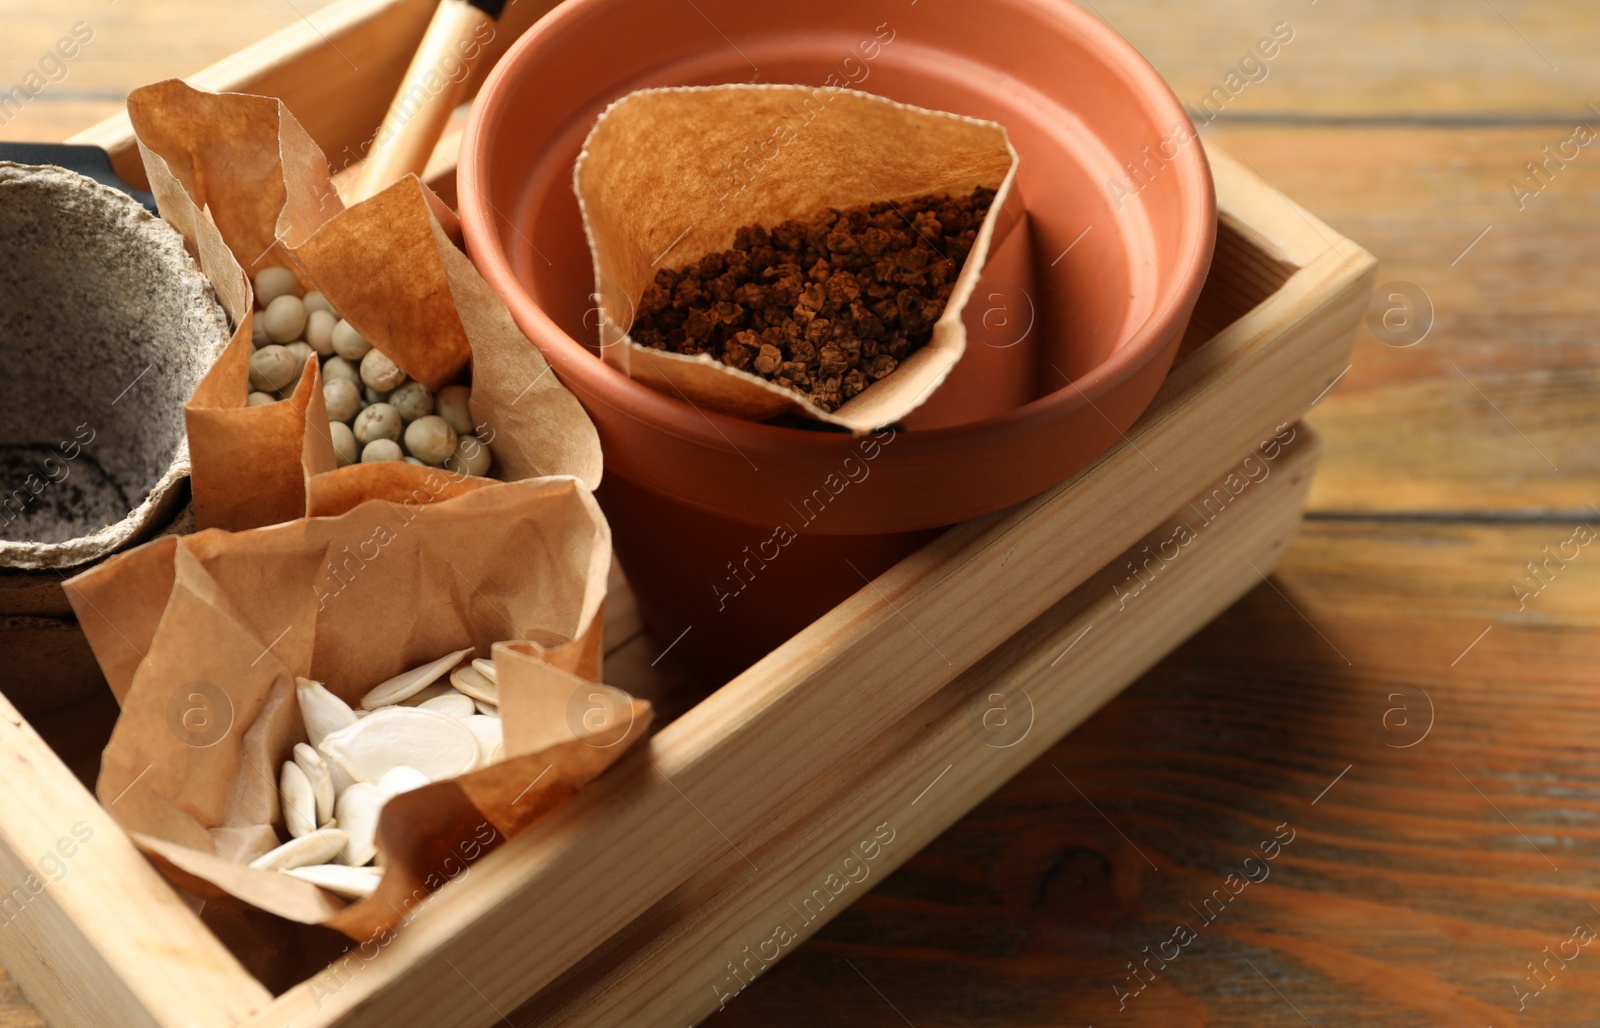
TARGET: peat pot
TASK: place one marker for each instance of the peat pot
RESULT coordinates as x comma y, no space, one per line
106,326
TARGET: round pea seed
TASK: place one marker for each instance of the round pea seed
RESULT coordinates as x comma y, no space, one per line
341,398
285,319
348,343
272,368
471,457
274,282
451,405
379,421
259,399
430,439
315,301
344,443
370,395
381,373
381,450
258,332
338,367
319,331
413,400
301,352
413,460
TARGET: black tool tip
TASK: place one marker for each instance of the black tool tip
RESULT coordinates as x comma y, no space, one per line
90,161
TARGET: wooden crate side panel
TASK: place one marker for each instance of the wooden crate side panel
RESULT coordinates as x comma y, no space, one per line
87,927
671,966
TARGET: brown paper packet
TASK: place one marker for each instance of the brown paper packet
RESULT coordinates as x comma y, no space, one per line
219,426
245,157
387,265
834,148
210,714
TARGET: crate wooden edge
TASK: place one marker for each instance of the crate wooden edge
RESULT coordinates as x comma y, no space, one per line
670,964
88,928
757,729
338,71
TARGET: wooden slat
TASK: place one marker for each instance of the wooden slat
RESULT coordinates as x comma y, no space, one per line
87,926
15,1010
1463,421
133,43
1420,57
1406,898
757,742
669,967
337,72
1344,62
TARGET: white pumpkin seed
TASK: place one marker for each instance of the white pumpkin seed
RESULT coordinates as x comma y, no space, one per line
322,711
358,808
435,744
409,683
349,882
473,682
433,691
486,669
299,803
401,779
486,708
456,704
490,733
341,777
321,779
317,848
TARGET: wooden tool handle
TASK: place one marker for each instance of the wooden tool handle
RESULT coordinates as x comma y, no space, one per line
432,87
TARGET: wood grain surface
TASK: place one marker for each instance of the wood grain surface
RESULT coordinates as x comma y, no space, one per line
1407,696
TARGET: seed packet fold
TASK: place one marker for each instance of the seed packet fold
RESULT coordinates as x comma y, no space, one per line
720,158
241,170
203,637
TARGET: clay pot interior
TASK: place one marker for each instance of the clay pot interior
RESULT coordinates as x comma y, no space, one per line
1067,314
106,325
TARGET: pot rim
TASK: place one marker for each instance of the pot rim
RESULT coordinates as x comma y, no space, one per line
587,374
126,222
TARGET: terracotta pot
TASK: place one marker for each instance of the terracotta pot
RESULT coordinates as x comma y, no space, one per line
1094,296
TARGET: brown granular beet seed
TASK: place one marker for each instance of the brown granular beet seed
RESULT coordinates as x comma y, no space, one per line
825,306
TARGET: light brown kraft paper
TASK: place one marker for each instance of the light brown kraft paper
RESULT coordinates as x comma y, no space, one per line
222,431
387,265
819,148
209,714
244,157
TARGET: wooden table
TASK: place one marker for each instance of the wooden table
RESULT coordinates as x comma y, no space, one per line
1407,698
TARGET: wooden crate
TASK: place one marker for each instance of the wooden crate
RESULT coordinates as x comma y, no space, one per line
656,894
